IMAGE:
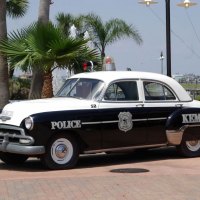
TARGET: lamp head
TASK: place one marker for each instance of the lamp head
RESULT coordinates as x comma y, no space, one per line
147,2
186,4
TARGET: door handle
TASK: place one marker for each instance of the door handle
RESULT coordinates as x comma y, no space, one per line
140,105
179,105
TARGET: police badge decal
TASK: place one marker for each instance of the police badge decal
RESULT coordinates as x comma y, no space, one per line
125,121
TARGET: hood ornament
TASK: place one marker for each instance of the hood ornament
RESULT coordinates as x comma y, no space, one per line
4,118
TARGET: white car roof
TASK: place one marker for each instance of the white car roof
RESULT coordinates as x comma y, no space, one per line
109,76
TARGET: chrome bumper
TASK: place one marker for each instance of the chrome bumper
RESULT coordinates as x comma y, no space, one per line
18,148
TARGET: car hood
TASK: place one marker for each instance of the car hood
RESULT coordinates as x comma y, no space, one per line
13,113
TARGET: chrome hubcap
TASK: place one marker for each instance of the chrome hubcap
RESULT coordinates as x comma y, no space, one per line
193,145
61,151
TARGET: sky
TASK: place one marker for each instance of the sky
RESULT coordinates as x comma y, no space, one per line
150,23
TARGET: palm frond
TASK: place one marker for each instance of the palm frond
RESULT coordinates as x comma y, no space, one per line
107,33
16,8
43,46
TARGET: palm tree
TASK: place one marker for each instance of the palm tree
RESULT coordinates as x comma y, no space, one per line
37,80
45,47
14,8
4,89
104,34
65,21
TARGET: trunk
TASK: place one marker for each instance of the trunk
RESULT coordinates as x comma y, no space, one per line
47,90
4,86
44,11
37,79
36,84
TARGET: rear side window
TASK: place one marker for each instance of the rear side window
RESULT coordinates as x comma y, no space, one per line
157,91
122,91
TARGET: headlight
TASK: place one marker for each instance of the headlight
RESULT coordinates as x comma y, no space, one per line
29,123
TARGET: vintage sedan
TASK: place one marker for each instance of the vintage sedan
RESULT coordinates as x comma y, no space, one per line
101,112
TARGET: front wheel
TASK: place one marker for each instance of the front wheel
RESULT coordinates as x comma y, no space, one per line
189,148
62,152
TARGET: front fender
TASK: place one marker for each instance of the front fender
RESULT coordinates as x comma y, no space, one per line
182,121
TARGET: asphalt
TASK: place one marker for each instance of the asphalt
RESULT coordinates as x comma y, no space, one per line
148,175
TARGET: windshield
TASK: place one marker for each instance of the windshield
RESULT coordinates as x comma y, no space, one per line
81,88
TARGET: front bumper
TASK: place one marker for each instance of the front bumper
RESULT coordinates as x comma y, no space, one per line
10,138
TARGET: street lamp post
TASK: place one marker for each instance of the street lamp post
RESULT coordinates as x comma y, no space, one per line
161,59
186,4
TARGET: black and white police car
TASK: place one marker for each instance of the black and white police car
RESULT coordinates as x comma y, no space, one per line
101,112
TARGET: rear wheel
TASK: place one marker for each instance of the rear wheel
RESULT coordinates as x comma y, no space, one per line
189,148
13,159
62,152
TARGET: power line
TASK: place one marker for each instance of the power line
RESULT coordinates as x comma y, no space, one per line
175,34
193,27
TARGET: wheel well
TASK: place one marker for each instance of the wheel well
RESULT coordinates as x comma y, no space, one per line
175,137
192,133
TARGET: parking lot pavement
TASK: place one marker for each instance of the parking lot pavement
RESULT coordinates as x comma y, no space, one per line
152,175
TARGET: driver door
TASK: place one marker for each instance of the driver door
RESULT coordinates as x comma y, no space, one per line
124,119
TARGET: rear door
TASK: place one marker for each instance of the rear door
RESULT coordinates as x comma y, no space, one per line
159,102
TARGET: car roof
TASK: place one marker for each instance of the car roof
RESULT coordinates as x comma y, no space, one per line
109,76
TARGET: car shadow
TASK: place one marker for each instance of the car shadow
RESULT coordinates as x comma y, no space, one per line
103,159
138,156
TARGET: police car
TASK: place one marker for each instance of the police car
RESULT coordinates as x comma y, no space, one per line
101,112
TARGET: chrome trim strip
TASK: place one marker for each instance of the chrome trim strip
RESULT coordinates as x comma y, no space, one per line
116,121
126,148
101,122
107,122
138,120
161,118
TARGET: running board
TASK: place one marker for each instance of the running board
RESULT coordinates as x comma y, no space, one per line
126,148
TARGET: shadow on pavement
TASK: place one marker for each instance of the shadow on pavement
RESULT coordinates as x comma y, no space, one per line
98,160
95,160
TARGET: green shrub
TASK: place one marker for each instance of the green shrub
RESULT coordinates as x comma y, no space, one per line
19,88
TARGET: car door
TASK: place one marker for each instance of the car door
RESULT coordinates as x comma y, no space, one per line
124,121
159,102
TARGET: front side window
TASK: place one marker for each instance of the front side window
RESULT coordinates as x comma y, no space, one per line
156,91
122,91
81,88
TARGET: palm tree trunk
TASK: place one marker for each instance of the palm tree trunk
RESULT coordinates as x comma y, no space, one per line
4,86
44,7
38,79
47,90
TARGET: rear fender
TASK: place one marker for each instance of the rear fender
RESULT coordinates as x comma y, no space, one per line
185,120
